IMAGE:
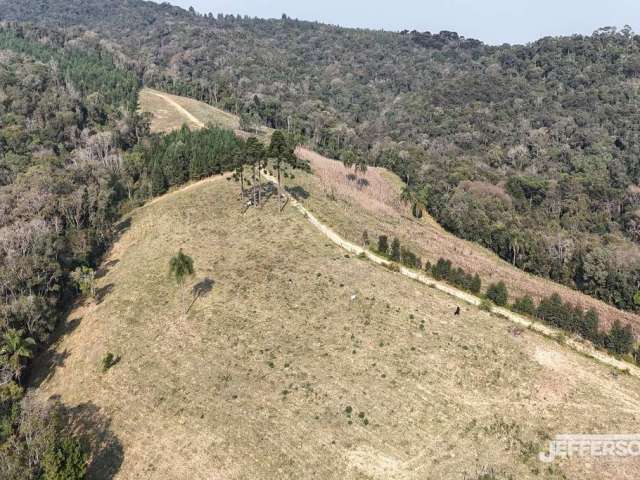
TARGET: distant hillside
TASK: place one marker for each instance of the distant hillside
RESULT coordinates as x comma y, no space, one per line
529,150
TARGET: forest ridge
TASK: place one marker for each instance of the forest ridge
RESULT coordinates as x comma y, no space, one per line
529,150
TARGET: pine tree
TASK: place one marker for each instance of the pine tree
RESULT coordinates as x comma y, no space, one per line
476,284
383,245
283,154
394,253
158,180
497,293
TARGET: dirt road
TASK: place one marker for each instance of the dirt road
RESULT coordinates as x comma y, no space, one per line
575,344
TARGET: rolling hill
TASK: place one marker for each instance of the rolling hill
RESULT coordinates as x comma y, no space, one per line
297,360
376,208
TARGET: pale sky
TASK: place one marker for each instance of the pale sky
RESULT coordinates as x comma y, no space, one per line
492,21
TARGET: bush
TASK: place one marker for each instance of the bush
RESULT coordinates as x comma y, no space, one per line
497,293
476,284
84,277
108,361
65,460
485,305
441,269
620,339
383,245
410,259
524,305
394,253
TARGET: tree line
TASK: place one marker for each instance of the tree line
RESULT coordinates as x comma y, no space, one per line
618,340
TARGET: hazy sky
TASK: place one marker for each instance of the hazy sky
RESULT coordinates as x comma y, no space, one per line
492,21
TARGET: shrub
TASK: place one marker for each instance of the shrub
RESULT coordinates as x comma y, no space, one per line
108,361
394,267
441,269
485,305
409,258
394,253
65,460
383,245
620,339
84,277
524,305
497,293
476,284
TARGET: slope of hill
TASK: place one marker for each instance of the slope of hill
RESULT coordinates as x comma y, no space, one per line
529,150
375,206
297,361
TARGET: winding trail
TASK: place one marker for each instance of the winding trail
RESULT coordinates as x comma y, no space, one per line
582,347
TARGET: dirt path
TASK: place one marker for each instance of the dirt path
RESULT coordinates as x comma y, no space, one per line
581,347
183,111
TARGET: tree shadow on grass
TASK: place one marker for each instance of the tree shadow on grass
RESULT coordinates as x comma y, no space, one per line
48,361
121,228
93,428
201,289
105,267
102,292
298,192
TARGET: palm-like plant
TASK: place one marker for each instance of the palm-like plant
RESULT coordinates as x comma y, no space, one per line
416,199
16,348
180,268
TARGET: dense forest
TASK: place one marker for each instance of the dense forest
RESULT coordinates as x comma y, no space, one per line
67,117
530,150
74,155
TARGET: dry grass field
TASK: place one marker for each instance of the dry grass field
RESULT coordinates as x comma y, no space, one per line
376,207
299,362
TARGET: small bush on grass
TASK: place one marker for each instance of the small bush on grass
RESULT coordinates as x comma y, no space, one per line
383,245
524,305
108,361
498,294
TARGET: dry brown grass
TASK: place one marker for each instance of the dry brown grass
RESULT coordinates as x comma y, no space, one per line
371,189
254,382
351,210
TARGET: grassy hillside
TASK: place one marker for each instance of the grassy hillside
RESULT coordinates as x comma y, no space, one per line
258,379
376,208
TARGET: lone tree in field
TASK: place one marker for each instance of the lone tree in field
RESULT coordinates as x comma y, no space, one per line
283,154
180,268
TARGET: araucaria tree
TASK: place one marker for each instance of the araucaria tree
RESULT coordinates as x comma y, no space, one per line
283,153
181,268
255,155
239,158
